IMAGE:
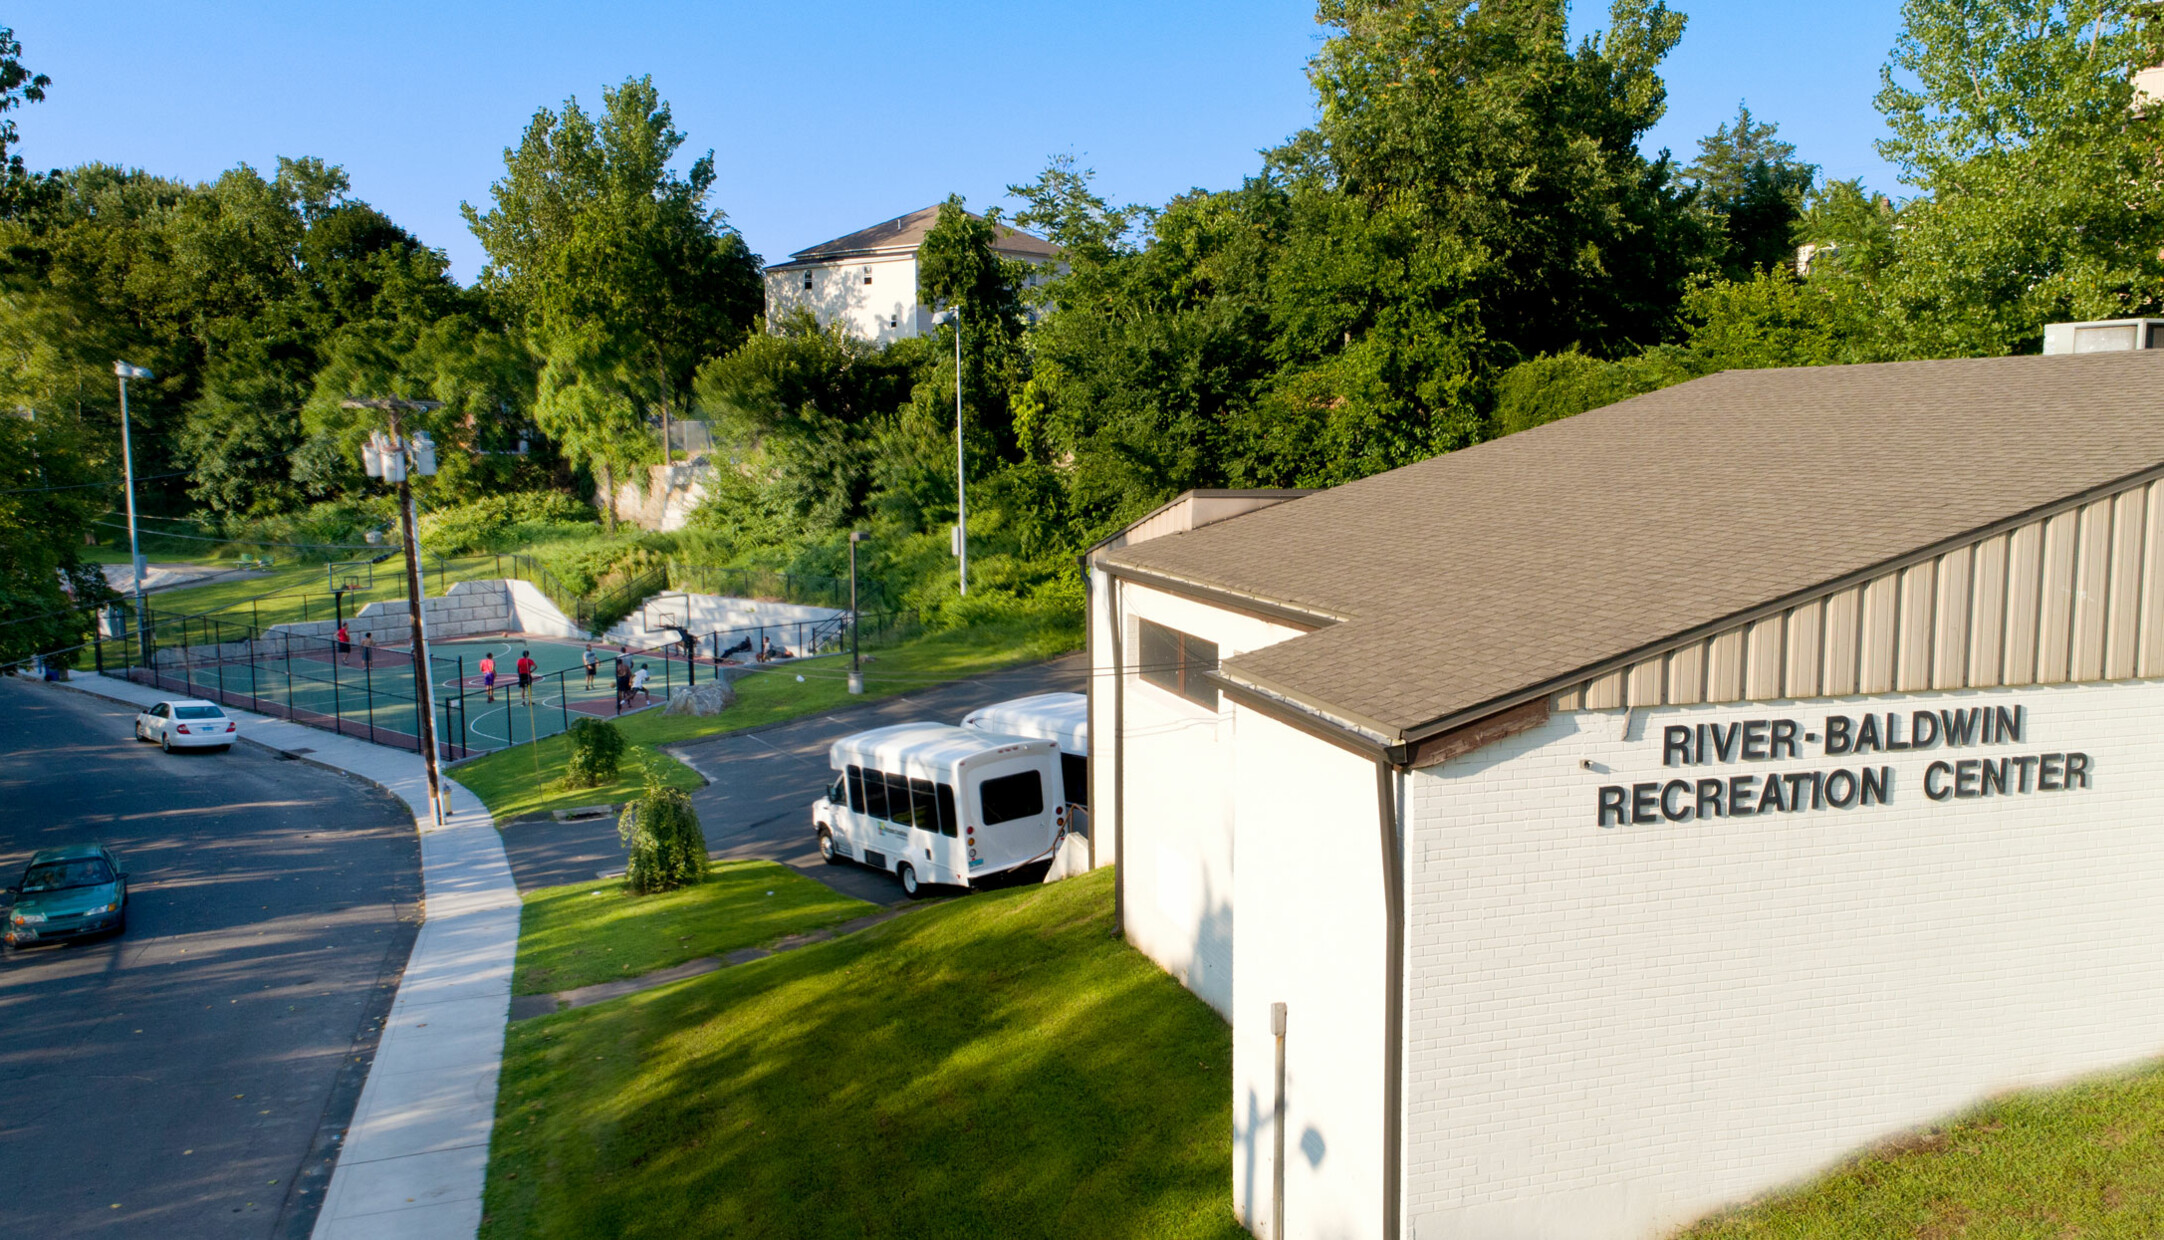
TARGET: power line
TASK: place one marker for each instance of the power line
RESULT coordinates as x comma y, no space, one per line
252,542
86,485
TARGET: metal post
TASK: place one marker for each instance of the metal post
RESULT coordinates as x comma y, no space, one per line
465,735
253,703
563,697
368,682
338,710
856,666
127,463
1277,1130
961,468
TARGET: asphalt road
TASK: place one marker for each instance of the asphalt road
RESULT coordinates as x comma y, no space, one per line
193,1077
763,781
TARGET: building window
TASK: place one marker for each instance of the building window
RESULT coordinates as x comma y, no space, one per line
1010,797
1179,662
807,280
867,277
894,320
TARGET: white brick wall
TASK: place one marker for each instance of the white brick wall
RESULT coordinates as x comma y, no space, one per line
1310,935
1612,1031
1178,840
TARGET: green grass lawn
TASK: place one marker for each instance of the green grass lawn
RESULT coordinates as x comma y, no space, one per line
506,782
598,932
999,1065
2084,1160
294,592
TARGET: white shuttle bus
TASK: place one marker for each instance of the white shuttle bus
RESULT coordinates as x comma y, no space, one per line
934,803
1060,717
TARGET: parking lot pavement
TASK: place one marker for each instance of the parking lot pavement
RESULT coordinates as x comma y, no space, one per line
192,1077
757,803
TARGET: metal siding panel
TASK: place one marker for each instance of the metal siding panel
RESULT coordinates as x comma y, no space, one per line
1604,692
2128,518
1987,613
1950,634
1806,647
1645,681
2024,588
1919,598
1687,675
2152,586
1724,667
2055,610
1877,635
1842,616
1763,657
2092,590
1570,699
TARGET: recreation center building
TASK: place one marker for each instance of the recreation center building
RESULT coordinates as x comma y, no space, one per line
1644,811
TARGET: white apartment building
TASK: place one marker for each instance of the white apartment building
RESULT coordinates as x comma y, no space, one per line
1650,809
868,279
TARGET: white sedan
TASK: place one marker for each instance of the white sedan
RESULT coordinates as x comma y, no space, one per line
186,724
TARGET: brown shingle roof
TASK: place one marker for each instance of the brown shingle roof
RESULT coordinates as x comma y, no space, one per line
1492,571
904,233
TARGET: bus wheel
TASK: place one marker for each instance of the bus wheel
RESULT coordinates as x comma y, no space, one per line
826,849
910,886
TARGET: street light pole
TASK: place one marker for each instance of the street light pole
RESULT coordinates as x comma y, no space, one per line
392,460
856,668
953,315
126,372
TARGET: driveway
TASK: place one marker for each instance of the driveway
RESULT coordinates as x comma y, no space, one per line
193,1077
762,782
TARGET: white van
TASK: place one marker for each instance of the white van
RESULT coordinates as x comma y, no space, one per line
1060,717
934,803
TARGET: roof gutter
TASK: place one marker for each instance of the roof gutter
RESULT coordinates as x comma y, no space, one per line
1305,619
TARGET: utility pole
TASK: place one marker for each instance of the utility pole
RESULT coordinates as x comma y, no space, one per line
127,463
391,457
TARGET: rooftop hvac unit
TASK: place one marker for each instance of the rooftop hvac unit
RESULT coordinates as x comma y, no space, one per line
2104,336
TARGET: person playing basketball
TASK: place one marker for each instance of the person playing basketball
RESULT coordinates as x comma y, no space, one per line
488,675
592,661
526,667
345,644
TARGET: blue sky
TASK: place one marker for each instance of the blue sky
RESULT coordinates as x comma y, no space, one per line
824,116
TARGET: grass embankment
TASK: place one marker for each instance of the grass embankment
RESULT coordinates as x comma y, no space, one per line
598,932
2084,1160
999,1065
507,784
296,592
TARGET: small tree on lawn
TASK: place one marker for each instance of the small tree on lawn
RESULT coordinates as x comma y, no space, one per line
597,750
662,838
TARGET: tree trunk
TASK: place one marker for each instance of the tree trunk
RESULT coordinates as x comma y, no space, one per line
608,495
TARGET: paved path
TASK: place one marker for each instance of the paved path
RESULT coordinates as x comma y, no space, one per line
198,1071
763,781
416,1154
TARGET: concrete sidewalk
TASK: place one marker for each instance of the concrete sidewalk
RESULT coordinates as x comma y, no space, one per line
416,1153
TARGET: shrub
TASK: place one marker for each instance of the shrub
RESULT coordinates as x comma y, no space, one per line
663,844
597,750
502,522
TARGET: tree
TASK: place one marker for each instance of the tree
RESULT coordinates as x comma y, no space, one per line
18,86
50,492
623,277
1755,187
2042,180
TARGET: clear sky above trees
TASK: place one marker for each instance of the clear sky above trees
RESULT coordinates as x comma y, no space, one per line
803,105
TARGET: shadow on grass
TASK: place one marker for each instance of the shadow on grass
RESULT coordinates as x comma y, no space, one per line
1001,1066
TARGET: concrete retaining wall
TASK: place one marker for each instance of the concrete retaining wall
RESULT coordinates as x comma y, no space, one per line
716,613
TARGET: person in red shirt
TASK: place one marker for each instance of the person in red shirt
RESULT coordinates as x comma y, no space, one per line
526,667
345,644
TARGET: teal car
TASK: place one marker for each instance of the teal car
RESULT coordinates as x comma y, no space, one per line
67,893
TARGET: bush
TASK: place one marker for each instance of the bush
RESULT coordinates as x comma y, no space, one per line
663,843
597,750
503,522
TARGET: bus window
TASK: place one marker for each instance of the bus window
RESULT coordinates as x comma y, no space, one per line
875,794
1074,771
1010,797
949,823
925,803
899,810
856,789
